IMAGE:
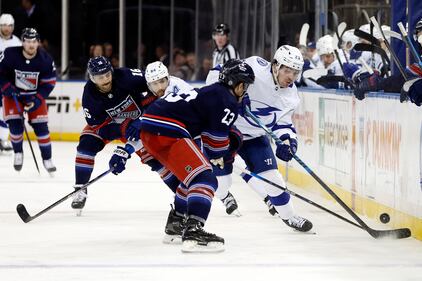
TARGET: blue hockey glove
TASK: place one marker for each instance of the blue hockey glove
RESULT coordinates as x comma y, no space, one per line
413,89
33,102
246,102
366,83
350,69
236,140
118,160
284,151
133,130
8,90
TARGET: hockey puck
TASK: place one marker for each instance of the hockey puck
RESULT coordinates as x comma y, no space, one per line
384,218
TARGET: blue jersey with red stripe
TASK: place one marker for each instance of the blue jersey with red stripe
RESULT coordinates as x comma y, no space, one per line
29,76
208,112
126,101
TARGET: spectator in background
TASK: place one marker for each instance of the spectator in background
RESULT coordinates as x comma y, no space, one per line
31,15
162,54
114,61
191,63
204,69
95,50
108,50
223,49
179,68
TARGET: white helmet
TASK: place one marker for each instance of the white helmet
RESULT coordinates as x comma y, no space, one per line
155,71
324,45
7,19
349,36
288,56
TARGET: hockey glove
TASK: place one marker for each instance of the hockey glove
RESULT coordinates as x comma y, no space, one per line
218,162
8,90
350,69
133,130
413,90
118,161
236,140
284,151
366,83
246,102
33,102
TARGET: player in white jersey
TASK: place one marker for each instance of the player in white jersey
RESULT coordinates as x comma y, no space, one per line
273,99
7,39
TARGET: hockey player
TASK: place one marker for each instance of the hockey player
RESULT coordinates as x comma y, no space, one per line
27,77
223,49
113,101
168,129
273,99
7,39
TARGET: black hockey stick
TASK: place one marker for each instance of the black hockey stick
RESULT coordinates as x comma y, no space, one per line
368,37
296,195
24,215
394,233
362,47
26,134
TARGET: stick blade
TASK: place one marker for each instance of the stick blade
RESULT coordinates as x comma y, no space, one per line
23,213
394,233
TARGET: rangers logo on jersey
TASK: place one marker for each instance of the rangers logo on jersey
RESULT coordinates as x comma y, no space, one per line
126,109
26,80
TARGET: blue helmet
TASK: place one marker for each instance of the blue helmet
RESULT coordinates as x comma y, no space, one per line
236,71
99,65
29,33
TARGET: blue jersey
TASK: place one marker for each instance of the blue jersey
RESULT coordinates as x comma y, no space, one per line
208,112
29,76
127,99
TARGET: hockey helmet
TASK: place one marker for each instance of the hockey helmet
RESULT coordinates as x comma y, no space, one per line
30,33
236,71
222,29
324,45
98,65
7,19
155,71
418,27
288,56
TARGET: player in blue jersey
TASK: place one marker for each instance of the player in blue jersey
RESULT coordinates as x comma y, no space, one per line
27,77
169,127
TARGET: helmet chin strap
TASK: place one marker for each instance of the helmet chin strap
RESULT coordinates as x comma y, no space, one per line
275,74
420,39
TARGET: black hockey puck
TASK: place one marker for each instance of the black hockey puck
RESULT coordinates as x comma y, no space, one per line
384,218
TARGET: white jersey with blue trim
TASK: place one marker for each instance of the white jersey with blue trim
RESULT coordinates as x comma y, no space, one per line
273,105
176,84
11,42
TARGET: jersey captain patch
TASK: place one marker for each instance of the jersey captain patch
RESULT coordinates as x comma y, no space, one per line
126,109
26,80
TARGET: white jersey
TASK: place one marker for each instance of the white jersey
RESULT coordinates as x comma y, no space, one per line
373,60
12,42
273,105
335,69
175,85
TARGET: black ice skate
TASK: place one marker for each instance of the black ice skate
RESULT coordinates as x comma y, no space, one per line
196,240
231,205
18,161
49,166
5,145
174,228
271,208
79,200
299,223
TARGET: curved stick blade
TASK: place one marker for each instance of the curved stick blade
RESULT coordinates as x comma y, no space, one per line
23,213
394,233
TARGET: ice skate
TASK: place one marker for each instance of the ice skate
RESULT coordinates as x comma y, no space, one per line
196,240
271,208
49,166
5,145
174,228
231,205
18,161
298,223
79,199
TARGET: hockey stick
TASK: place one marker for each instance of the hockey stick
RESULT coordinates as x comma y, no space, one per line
26,133
303,35
362,47
341,28
366,36
409,44
394,233
295,194
24,215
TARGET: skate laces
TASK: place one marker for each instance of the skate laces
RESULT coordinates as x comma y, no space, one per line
296,221
18,158
80,195
229,200
48,164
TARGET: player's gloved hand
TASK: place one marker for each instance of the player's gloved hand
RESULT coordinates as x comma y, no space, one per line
366,83
236,140
285,151
8,90
218,162
118,161
413,90
246,102
350,69
33,102
133,130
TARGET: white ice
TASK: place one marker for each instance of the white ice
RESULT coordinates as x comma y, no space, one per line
119,235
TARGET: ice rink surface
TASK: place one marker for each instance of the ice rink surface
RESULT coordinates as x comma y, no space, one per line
119,235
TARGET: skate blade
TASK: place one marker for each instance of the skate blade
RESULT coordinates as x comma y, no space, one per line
78,212
172,239
236,213
193,247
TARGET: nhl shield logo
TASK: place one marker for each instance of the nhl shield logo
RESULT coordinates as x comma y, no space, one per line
188,168
26,80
